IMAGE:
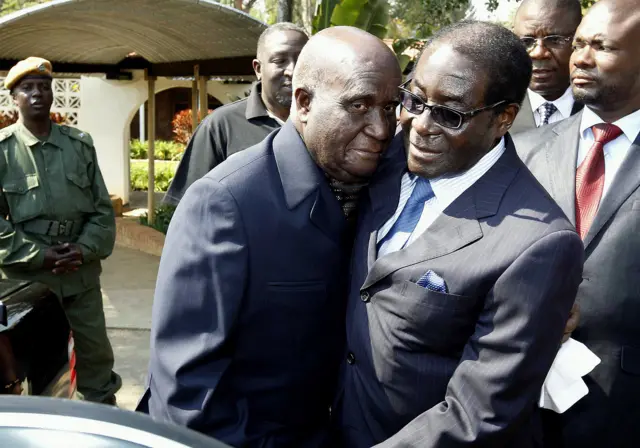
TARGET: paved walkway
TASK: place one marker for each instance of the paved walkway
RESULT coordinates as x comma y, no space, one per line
128,282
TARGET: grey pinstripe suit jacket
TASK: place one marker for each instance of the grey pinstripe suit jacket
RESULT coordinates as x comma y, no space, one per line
609,296
428,369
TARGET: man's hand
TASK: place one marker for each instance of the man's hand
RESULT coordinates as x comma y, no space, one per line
63,258
572,323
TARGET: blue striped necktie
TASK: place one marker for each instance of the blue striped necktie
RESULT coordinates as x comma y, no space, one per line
412,211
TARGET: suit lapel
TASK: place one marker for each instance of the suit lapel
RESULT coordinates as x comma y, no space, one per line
524,120
561,154
624,184
458,225
384,192
301,178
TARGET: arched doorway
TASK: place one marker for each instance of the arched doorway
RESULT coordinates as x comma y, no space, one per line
168,103
172,103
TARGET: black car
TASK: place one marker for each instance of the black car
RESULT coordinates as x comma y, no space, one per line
36,344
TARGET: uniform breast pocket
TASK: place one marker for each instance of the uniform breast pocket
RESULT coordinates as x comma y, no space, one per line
439,319
24,197
80,191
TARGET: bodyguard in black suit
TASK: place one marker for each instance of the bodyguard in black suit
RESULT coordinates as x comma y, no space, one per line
464,269
248,317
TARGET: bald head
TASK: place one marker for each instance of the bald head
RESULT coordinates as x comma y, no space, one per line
345,88
337,52
605,64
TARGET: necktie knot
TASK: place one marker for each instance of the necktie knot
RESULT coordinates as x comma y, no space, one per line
545,111
605,132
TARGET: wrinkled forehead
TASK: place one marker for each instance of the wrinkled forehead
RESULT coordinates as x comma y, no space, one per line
607,23
538,18
443,71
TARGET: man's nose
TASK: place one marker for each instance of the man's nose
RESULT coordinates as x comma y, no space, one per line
424,125
582,57
380,126
539,51
288,70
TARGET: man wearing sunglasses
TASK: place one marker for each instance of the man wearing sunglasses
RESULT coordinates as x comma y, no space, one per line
546,28
463,271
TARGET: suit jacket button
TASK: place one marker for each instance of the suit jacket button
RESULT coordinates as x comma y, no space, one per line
351,358
365,297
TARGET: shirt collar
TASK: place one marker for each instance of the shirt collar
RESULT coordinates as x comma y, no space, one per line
280,122
54,139
630,125
564,104
255,105
447,188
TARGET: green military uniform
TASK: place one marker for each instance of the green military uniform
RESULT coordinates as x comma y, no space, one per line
52,193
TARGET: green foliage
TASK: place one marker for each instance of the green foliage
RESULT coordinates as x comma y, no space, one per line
163,216
322,18
368,15
9,6
164,150
164,173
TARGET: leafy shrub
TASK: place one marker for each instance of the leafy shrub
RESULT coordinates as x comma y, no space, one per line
138,149
164,150
182,125
164,213
164,173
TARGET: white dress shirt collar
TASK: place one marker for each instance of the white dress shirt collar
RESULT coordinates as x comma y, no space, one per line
564,104
630,125
448,188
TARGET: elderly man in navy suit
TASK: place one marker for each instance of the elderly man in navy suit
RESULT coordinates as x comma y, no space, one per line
248,317
464,268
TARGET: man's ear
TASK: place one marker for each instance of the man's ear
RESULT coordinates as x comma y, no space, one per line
257,68
303,104
507,117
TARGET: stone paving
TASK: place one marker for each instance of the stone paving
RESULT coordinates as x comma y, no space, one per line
128,282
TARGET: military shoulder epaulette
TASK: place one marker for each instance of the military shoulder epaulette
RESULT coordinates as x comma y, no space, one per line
77,134
7,132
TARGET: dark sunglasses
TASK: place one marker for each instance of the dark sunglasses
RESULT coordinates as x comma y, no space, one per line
444,116
554,42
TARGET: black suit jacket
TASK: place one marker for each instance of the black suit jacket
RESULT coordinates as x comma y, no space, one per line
248,315
609,296
464,368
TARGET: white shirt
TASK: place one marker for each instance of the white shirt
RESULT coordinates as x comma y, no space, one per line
614,151
564,106
446,189
280,122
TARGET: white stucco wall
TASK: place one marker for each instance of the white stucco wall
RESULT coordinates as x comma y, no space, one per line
106,113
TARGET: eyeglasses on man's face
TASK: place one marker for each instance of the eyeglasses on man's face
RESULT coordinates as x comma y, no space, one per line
442,115
553,42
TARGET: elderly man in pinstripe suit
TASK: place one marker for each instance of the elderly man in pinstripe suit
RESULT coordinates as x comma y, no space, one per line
464,269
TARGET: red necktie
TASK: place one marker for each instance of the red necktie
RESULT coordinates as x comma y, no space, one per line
590,177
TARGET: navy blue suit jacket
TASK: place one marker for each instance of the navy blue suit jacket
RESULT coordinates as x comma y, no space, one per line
248,316
430,369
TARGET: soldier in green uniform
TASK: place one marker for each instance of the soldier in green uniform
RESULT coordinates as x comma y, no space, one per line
56,220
